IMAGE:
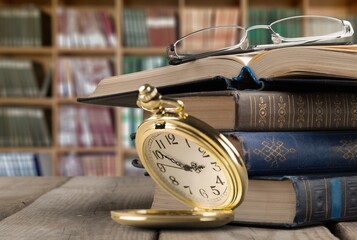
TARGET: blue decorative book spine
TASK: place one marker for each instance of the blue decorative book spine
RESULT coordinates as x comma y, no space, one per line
286,153
321,199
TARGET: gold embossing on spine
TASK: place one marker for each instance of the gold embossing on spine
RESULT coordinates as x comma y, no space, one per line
301,111
337,110
319,111
281,112
274,152
262,112
353,108
348,149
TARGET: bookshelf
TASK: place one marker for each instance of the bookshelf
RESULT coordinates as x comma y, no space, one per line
50,54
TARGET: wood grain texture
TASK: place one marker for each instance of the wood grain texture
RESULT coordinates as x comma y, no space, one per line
18,192
346,230
80,209
242,233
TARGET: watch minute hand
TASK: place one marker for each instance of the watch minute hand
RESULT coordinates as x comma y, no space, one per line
180,164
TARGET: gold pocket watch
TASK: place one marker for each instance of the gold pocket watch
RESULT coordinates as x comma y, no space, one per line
191,161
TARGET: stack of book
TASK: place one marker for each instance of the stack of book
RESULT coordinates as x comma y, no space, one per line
293,122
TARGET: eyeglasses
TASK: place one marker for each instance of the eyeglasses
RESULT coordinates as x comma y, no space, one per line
291,31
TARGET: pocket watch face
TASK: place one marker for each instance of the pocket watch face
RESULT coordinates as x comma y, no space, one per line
187,169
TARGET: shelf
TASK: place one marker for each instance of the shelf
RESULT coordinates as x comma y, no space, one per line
26,50
86,149
42,102
145,51
87,51
48,150
70,100
130,151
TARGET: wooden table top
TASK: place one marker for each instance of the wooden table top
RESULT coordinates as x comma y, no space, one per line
79,208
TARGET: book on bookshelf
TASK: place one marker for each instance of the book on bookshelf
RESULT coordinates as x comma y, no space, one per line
20,164
333,109
81,28
24,27
196,18
21,127
80,126
161,24
333,63
261,15
21,78
79,76
288,201
149,26
102,164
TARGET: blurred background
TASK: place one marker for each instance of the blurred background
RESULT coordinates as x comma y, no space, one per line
53,51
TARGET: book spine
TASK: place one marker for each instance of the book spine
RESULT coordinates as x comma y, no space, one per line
283,153
285,111
326,199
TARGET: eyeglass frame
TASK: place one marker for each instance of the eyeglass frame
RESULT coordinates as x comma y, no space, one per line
244,47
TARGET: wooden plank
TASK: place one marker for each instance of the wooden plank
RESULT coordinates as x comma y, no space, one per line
80,209
346,230
18,192
239,232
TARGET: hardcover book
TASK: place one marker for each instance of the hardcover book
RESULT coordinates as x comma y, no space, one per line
274,110
289,201
284,153
335,63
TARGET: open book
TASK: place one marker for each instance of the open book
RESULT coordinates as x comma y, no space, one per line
233,71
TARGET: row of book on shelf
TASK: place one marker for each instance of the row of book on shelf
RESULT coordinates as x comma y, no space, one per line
295,130
24,126
24,27
86,126
25,164
23,78
142,26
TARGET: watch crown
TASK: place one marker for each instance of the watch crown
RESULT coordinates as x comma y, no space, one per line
151,100
148,93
